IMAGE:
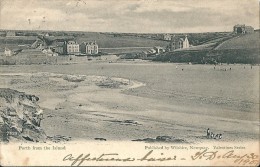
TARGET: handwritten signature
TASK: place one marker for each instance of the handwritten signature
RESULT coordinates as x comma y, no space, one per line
245,159
77,161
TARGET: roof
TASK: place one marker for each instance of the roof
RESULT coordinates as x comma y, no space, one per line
167,34
89,43
240,25
47,51
7,49
72,42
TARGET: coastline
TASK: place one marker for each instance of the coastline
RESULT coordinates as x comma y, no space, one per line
90,112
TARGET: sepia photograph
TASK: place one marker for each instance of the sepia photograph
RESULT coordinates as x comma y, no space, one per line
129,82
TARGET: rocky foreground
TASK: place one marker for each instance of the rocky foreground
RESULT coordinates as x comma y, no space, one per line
20,117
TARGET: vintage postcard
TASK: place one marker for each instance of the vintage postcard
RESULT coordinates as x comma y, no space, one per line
129,82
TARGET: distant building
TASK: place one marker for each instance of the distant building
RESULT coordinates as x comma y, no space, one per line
176,43
58,47
159,49
49,52
8,52
249,29
89,48
167,37
39,44
59,50
179,43
72,47
186,43
10,34
243,29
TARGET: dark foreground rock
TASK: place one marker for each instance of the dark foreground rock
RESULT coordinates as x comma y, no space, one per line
20,117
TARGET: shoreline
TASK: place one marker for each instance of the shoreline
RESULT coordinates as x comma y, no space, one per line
90,112
130,62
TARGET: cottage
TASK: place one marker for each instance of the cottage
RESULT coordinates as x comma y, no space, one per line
8,52
89,48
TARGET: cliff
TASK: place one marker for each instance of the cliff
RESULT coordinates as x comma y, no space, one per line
20,117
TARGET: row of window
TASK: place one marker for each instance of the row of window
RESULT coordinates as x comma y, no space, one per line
95,47
91,51
73,50
73,46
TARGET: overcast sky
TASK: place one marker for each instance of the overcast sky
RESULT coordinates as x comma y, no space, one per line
145,16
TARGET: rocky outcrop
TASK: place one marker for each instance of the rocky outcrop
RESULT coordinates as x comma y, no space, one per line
20,117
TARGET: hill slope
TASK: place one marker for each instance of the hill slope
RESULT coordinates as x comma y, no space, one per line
239,49
247,41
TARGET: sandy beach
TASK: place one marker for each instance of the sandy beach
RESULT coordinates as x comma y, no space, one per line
122,101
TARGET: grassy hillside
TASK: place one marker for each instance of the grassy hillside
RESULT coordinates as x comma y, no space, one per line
112,41
246,56
15,43
208,38
247,41
239,49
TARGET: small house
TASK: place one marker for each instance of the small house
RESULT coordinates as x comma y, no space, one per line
8,52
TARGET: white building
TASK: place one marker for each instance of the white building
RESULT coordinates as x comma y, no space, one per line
49,52
167,37
72,47
186,43
8,52
159,49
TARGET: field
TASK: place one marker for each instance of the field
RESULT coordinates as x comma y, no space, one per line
248,41
154,99
230,49
111,41
124,50
16,43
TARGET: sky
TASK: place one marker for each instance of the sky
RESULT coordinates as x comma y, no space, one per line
130,16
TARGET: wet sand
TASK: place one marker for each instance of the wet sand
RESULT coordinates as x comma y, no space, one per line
114,108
